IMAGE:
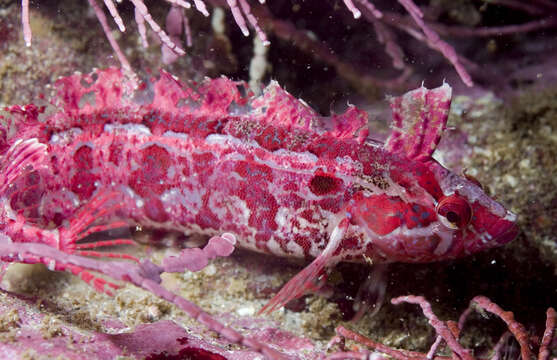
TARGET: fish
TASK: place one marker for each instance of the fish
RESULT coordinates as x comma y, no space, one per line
212,157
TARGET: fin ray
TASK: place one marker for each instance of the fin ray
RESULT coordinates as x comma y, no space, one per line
304,280
419,119
21,155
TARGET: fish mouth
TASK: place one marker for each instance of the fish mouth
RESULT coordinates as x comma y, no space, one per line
504,231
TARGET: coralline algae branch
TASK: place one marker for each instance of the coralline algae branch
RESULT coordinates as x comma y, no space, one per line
391,27
241,11
449,332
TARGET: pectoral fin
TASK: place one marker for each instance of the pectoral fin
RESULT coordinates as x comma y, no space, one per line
305,279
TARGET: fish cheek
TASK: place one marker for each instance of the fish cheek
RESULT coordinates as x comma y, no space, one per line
380,214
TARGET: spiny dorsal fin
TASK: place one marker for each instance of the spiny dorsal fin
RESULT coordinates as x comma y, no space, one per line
91,93
282,109
350,124
419,118
108,94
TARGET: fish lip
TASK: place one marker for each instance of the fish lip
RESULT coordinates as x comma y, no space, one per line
505,232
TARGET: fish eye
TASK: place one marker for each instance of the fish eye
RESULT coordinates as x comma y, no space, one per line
454,211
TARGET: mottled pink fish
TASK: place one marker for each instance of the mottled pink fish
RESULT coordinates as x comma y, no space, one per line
212,158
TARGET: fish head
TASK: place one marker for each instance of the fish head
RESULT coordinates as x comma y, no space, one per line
423,212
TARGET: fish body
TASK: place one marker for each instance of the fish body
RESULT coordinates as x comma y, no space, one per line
212,158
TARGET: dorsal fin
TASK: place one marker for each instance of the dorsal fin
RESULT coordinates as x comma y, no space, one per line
168,93
212,96
419,118
90,93
219,94
351,124
102,90
282,109
22,122
165,102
